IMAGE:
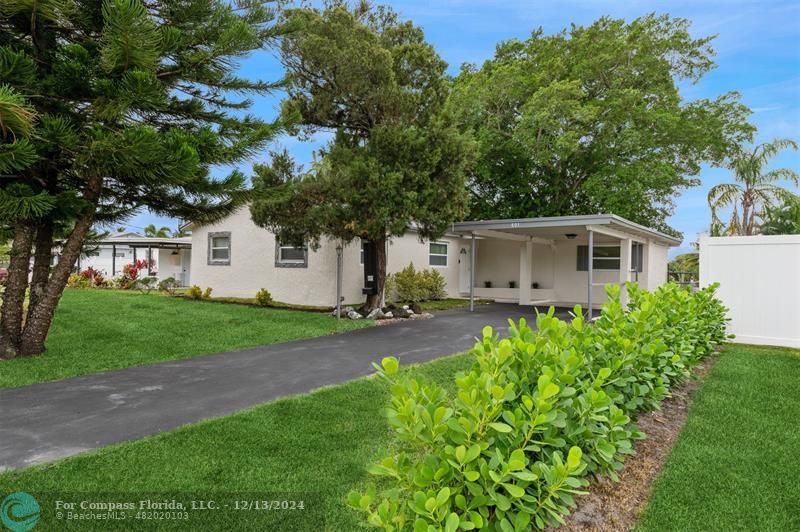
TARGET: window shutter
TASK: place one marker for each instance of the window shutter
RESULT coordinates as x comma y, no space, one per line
583,259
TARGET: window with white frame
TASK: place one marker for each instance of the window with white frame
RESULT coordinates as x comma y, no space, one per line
604,257
437,254
287,256
219,248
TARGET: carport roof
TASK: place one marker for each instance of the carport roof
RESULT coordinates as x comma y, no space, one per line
578,222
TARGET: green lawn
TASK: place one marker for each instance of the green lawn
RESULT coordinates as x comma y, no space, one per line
98,330
736,465
450,303
314,447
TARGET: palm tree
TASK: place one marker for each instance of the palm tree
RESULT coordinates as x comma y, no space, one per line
753,190
783,219
161,232
180,231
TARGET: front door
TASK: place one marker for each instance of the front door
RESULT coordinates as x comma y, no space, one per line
186,266
464,265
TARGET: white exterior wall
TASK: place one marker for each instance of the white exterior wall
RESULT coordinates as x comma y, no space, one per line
655,266
759,280
252,265
167,264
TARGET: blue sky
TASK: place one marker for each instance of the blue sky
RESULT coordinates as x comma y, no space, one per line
758,54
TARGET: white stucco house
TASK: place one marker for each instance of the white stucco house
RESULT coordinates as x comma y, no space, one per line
527,261
170,257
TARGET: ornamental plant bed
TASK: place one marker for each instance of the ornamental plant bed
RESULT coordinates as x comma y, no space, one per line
613,505
538,415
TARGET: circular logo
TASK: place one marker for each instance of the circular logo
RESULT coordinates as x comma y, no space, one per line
19,512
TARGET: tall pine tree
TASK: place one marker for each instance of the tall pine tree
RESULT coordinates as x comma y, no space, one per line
109,107
396,158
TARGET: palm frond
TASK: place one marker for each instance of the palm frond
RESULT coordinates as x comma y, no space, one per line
723,195
781,174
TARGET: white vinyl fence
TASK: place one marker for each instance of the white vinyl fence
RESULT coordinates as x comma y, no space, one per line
759,279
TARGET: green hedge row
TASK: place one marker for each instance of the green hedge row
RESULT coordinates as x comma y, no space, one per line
538,412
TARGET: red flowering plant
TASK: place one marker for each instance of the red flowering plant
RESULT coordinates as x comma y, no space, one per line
94,276
133,271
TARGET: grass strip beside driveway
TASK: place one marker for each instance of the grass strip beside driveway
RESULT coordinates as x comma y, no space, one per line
100,330
736,464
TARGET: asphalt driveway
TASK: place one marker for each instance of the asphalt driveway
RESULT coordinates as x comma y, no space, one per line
43,422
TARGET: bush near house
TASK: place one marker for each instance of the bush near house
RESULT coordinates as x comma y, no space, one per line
537,413
170,286
412,286
264,298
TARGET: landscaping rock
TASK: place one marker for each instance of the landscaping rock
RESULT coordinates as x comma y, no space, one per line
388,315
375,314
402,313
416,308
353,315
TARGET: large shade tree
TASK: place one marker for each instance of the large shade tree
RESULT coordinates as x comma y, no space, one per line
591,120
108,107
394,160
755,189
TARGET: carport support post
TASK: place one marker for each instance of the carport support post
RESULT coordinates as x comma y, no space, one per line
525,259
624,269
472,275
590,269
149,260
113,260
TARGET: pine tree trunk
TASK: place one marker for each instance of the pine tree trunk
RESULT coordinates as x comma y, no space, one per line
41,316
14,295
374,300
43,254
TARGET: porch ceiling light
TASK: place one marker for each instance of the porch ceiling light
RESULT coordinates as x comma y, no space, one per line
570,235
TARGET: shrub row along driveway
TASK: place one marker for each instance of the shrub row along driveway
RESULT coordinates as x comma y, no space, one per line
47,421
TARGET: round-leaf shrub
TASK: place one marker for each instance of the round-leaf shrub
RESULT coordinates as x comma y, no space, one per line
536,414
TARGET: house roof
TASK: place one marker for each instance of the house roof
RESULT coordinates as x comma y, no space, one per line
137,240
553,224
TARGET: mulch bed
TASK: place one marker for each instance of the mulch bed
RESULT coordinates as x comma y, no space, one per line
617,505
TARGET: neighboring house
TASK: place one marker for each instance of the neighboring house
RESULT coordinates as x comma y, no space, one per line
237,258
169,257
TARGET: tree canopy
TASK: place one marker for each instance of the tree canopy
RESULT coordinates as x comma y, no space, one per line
111,106
395,159
591,120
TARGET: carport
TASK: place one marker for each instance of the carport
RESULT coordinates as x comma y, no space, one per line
562,260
